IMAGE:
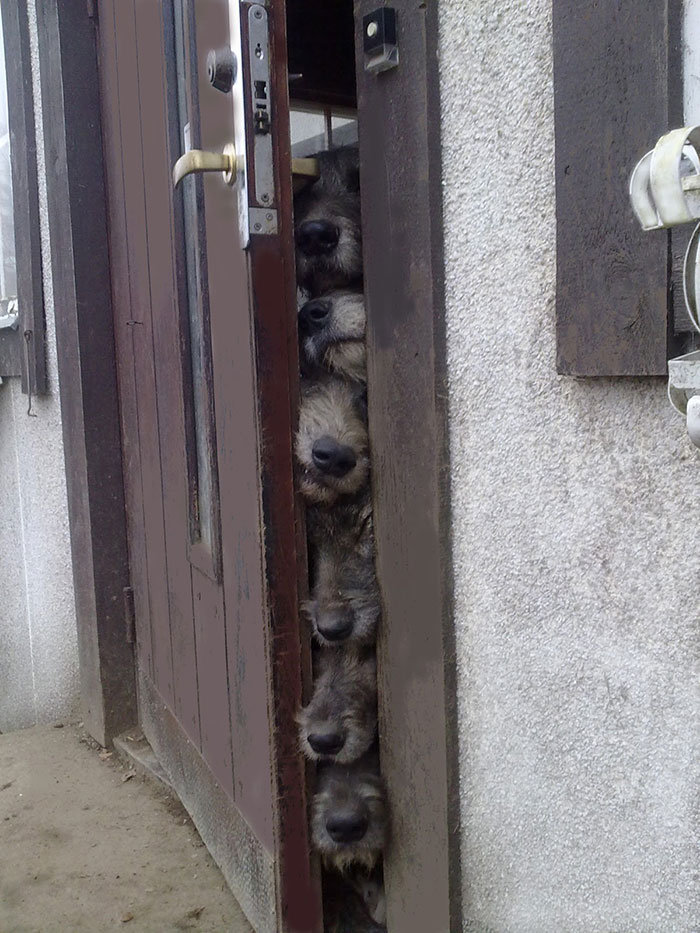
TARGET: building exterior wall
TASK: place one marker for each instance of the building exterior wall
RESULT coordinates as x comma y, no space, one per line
39,678
577,576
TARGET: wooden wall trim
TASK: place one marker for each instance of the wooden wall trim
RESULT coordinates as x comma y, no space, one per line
86,362
399,111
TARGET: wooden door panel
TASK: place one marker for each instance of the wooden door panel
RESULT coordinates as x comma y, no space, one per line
219,645
147,528
176,628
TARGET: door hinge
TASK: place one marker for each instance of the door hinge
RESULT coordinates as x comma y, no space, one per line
129,616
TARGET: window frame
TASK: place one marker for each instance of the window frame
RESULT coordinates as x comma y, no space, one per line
23,351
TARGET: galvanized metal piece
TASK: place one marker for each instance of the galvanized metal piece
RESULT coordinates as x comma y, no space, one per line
263,220
9,314
692,419
261,103
691,272
683,379
239,127
665,184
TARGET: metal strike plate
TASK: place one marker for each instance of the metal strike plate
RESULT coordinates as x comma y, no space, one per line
261,103
239,127
263,220
9,314
379,40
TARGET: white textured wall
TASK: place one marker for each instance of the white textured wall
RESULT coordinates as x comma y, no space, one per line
576,544
38,641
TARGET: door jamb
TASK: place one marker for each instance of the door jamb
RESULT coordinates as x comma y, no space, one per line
86,361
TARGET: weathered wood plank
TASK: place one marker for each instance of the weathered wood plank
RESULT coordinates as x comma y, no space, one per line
174,635
402,245
86,362
613,73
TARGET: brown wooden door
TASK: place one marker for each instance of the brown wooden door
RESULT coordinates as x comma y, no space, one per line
206,350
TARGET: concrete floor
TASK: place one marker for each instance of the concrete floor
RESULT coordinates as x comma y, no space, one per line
86,845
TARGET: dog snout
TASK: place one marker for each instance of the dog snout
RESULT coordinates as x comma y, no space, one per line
317,237
347,827
335,626
313,317
333,458
326,743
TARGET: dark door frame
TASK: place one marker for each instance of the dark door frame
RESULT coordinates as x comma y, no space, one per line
86,362
407,357
401,173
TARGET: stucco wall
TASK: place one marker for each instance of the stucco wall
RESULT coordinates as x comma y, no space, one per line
576,562
38,642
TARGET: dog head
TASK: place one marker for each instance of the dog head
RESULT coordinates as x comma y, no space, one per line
349,819
331,443
340,722
327,231
332,335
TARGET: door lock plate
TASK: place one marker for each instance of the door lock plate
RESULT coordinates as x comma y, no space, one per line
261,103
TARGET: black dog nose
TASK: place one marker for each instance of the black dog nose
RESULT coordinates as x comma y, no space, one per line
314,316
334,626
316,237
346,828
332,458
326,743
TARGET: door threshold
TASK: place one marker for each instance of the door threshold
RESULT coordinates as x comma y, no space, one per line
134,750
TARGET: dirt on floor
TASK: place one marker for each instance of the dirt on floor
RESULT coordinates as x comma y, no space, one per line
88,845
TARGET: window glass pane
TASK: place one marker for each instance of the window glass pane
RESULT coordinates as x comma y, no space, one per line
194,249
8,275
314,129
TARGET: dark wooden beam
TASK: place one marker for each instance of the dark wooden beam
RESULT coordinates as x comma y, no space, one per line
400,153
86,362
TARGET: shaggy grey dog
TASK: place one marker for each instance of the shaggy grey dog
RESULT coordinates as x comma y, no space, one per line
349,816
340,722
332,335
345,604
327,230
331,444
345,909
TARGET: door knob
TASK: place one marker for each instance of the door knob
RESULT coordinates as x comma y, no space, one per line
198,160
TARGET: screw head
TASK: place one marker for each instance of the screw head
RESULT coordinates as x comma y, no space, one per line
257,226
257,13
372,29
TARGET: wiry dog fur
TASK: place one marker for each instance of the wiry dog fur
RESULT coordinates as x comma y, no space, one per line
345,910
371,890
345,602
343,708
337,345
335,198
331,408
349,818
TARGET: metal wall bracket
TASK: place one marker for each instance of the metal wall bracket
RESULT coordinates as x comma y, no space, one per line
9,313
665,184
